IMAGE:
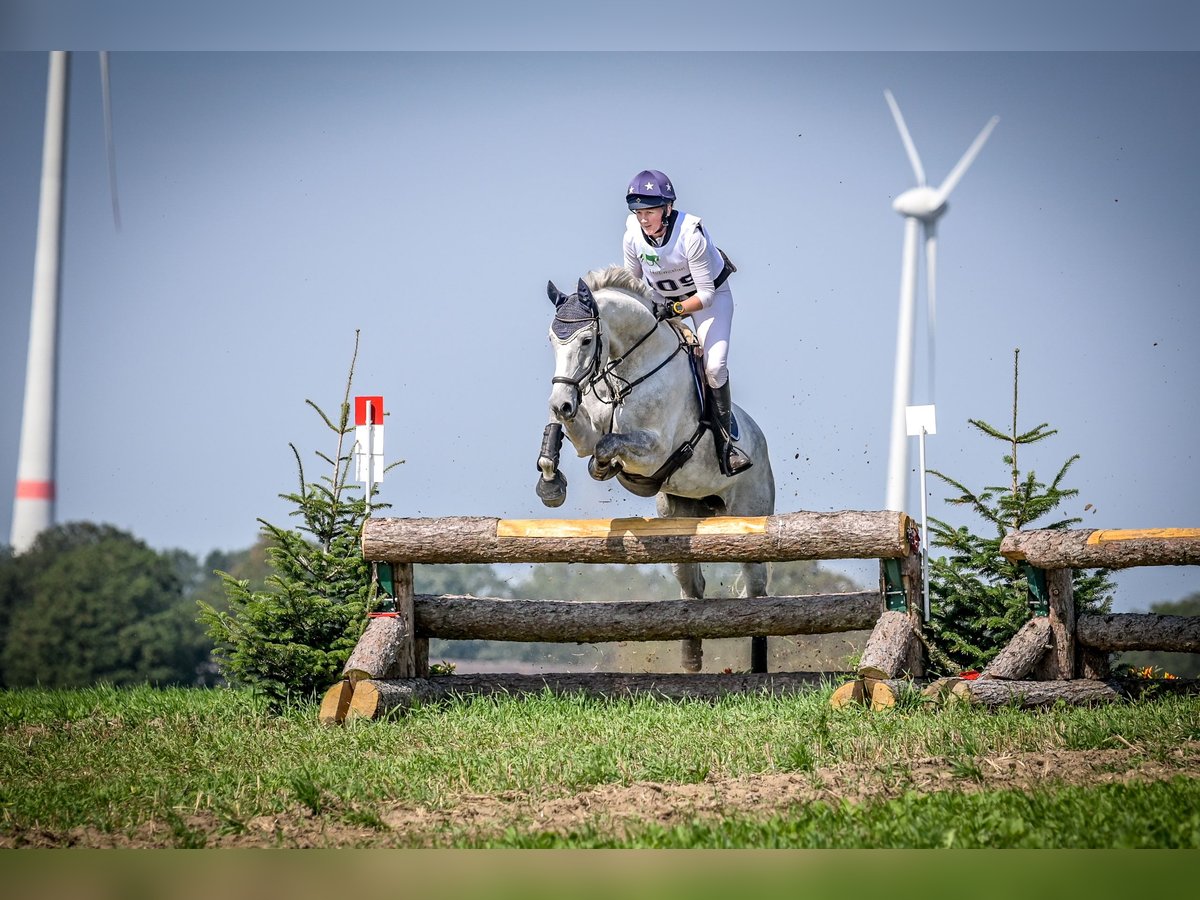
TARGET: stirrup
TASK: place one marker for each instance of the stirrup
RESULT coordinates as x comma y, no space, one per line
733,461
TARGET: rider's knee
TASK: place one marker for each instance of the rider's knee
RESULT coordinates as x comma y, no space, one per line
716,375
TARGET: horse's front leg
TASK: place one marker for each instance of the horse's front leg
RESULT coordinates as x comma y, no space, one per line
552,484
639,452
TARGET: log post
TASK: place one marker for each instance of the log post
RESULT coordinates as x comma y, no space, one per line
336,703
1023,652
1092,663
888,649
914,593
406,656
895,645
886,694
851,693
378,653
879,695
1059,663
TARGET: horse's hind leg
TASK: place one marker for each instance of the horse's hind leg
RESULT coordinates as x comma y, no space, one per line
691,583
755,578
691,586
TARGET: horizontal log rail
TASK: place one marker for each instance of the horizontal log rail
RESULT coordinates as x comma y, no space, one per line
1139,631
563,621
847,534
1103,549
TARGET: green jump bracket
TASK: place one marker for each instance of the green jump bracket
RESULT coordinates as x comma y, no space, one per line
1039,595
894,598
385,577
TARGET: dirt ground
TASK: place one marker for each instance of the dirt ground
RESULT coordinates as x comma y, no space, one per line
611,807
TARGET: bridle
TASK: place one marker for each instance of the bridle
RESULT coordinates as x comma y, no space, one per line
594,373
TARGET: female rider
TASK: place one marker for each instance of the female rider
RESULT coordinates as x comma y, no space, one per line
673,253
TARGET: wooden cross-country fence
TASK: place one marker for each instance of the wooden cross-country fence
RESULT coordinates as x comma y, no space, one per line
389,668
1058,656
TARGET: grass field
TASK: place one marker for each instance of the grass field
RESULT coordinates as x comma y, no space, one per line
176,768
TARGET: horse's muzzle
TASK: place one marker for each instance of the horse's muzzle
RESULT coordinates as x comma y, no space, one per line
564,400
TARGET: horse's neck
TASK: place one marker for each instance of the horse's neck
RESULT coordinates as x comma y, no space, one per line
627,326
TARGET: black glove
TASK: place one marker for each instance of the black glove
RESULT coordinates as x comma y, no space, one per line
667,310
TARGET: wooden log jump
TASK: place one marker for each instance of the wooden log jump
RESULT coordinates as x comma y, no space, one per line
779,538
1053,645
380,675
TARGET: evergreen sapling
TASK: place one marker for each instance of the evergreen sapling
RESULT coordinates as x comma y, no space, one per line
979,599
291,640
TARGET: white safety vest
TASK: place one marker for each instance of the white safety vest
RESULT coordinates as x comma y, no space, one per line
686,263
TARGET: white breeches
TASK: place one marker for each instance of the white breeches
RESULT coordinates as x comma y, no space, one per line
712,328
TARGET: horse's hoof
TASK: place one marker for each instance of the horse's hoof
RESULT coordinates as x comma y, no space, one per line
601,472
552,493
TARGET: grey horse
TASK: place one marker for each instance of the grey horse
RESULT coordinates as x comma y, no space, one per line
624,393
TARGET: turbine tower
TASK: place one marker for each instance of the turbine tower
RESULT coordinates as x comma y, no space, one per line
33,500
33,504
921,207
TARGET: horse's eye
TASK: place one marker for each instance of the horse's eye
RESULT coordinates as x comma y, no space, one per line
586,342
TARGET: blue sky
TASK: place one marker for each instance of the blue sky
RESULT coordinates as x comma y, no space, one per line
272,203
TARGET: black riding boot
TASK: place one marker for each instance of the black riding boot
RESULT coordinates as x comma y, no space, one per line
729,457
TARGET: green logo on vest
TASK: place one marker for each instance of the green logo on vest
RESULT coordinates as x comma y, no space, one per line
651,258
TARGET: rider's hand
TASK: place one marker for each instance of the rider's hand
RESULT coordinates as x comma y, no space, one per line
667,310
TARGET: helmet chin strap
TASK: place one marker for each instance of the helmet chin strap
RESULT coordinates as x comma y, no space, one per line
662,225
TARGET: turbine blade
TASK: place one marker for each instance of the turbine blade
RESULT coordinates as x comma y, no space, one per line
960,169
931,296
909,147
109,147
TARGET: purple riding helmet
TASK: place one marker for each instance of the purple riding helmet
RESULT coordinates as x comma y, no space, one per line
648,189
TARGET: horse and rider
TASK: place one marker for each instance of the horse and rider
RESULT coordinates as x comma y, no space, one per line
673,252
630,394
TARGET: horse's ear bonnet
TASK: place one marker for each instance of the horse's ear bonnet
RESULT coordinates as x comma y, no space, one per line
572,312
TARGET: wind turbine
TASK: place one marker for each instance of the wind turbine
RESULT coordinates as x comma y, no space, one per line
34,498
921,207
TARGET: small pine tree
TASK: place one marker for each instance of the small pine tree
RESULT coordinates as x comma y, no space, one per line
291,640
978,598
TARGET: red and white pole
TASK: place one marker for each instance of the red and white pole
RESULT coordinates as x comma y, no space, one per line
368,443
